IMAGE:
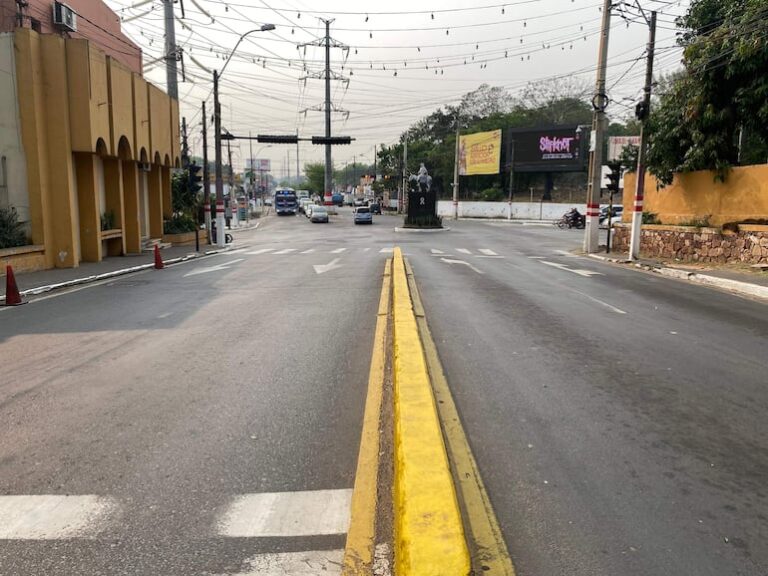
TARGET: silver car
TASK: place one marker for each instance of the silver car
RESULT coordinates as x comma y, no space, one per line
319,214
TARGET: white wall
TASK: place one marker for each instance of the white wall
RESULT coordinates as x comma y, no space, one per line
14,193
520,210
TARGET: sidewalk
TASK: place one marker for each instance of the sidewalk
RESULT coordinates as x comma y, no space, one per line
744,281
30,283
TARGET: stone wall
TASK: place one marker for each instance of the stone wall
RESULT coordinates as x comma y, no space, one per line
688,244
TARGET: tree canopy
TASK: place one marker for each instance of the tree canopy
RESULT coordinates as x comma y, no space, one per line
714,113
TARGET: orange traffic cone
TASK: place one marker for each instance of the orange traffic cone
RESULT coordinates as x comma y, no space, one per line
12,296
158,259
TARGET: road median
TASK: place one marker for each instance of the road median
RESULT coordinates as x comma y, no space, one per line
429,535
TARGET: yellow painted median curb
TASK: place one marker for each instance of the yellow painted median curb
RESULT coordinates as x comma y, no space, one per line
429,536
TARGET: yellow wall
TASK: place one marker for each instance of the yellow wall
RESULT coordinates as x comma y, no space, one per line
159,122
121,105
88,95
695,195
141,116
175,133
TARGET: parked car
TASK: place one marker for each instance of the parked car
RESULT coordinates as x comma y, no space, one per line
363,215
375,208
337,200
615,214
319,214
268,201
360,202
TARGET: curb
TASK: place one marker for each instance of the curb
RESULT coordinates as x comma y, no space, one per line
423,230
429,533
359,550
106,275
734,286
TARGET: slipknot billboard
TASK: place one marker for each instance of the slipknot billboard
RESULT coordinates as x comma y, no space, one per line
549,149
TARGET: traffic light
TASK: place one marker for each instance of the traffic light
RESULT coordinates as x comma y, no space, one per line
277,139
614,176
641,111
195,178
331,140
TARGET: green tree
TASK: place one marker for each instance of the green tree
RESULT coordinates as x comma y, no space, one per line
315,172
721,94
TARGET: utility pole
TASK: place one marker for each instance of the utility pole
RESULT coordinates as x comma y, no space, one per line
328,160
171,72
206,178
404,193
230,204
511,177
456,174
644,111
298,171
184,143
220,239
599,103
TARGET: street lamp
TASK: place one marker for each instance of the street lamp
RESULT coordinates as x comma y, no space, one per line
217,136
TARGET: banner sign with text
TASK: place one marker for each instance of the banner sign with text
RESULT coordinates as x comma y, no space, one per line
549,149
480,153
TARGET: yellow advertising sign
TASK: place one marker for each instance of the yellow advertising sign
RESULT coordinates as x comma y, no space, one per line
480,153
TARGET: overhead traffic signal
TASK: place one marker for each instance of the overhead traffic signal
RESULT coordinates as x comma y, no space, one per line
278,139
331,140
614,177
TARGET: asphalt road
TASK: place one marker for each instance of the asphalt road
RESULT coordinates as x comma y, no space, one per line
618,418
165,404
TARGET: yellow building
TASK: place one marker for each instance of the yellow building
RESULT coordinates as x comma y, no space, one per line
87,147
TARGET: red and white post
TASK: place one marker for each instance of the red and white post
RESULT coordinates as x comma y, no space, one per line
221,231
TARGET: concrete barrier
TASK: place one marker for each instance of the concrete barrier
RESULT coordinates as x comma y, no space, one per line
520,210
429,535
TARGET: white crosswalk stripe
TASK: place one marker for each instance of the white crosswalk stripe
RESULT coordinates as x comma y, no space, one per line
309,251
259,251
285,251
463,251
386,251
487,252
436,251
54,517
338,251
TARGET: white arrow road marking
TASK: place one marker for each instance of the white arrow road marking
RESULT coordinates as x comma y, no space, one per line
332,265
218,267
435,251
467,264
259,251
338,251
286,251
586,273
463,251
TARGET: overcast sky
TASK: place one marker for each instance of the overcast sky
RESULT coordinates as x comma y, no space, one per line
405,59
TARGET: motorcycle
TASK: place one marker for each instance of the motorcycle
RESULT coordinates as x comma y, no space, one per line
572,220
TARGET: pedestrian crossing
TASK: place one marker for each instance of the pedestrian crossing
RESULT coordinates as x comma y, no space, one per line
279,251
296,517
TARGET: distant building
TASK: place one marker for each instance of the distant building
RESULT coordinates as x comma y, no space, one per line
86,144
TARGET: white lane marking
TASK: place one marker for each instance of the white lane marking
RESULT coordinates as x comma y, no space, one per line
332,265
463,251
307,251
259,251
287,514
386,251
487,252
536,257
238,251
53,516
567,254
597,301
585,273
338,251
166,315
326,562
217,268
435,251
285,251
467,264
366,249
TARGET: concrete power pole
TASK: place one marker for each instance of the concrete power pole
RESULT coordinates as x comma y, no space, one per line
171,71
599,103
328,160
220,239
404,192
206,178
184,143
456,174
645,110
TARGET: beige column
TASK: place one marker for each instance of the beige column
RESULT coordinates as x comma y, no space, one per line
88,202
132,228
113,185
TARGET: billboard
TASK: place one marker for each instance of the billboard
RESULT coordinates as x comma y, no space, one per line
259,164
617,143
480,153
548,149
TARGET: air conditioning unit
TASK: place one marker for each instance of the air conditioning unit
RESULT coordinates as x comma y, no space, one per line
64,17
